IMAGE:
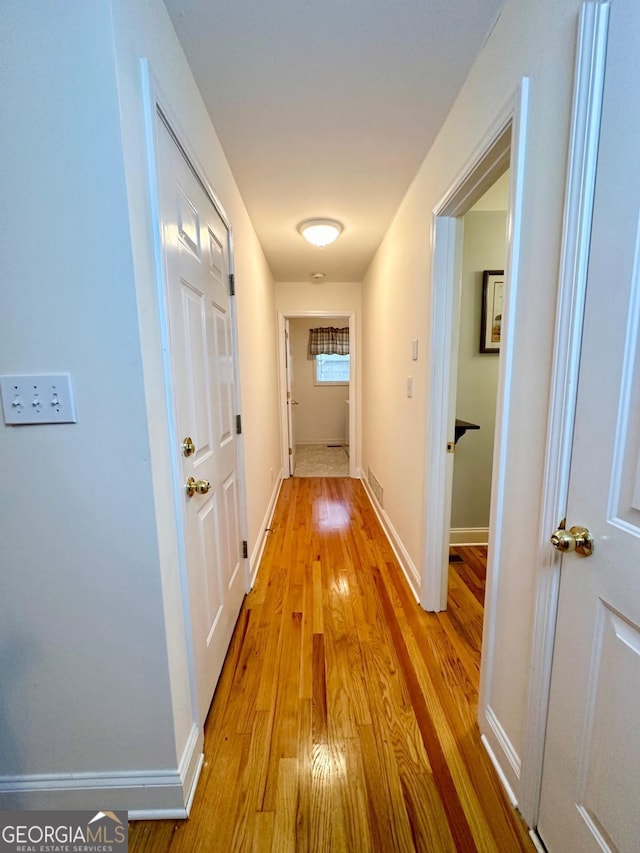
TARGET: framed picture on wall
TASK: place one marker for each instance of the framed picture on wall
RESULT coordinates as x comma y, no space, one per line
491,318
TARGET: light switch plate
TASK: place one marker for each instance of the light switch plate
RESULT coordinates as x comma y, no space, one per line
38,399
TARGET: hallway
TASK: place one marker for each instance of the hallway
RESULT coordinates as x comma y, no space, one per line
345,715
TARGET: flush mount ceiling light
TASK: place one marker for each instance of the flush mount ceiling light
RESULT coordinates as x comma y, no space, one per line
320,232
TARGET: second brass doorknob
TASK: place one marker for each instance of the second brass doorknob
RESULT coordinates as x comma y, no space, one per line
200,486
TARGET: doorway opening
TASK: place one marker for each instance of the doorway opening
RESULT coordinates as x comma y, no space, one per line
318,398
475,386
502,148
478,354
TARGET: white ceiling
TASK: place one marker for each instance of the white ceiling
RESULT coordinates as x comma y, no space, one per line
326,108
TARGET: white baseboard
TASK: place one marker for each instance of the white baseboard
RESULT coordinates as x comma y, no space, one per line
469,536
498,769
258,550
537,843
144,794
172,814
502,753
326,441
402,555
191,764
158,814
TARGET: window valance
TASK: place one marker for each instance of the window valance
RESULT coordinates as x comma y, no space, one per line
328,341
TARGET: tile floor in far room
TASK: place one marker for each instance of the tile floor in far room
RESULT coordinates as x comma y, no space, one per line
319,460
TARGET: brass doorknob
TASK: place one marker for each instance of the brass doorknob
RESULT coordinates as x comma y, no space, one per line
200,486
576,539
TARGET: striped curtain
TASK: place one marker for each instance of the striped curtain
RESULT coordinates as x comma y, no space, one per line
328,341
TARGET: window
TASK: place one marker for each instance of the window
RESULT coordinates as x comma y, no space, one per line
331,370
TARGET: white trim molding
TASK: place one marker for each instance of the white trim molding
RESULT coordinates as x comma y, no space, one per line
258,550
502,146
328,442
402,555
498,769
469,536
498,737
576,237
147,794
352,316
446,241
506,758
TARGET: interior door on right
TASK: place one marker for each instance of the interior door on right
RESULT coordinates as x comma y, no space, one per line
591,778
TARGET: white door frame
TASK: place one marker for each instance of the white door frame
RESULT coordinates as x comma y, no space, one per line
502,146
156,102
291,440
353,389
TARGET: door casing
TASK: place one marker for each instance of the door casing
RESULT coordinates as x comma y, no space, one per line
291,441
165,456
503,146
353,390
576,237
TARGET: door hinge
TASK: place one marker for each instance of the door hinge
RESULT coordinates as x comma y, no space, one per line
238,424
290,452
232,284
245,549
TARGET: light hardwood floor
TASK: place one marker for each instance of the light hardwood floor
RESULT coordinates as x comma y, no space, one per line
345,716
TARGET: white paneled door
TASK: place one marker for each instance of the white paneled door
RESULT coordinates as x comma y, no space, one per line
196,254
591,777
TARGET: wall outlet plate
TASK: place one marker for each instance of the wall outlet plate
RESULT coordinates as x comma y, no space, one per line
44,398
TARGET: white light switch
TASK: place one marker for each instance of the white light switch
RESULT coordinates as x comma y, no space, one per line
414,349
38,399
409,386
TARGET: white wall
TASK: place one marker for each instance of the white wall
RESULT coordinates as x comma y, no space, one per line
530,38
484,249
85,684
328,299
323,299
96,705
321,413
